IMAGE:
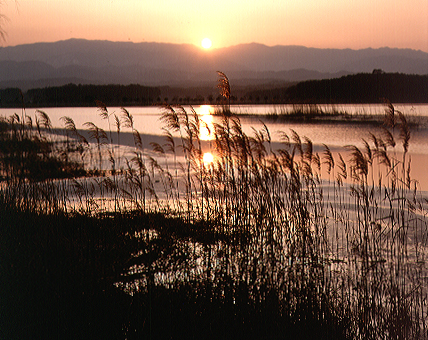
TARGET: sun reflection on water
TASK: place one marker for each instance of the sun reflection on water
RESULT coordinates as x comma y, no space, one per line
208,158
206,123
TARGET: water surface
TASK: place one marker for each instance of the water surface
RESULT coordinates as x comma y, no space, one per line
334,134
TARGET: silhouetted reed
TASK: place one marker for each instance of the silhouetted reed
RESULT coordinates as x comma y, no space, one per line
282,240
304,113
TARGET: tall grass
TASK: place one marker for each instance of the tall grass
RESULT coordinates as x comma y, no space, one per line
265,240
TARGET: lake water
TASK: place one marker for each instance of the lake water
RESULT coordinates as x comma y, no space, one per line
335,135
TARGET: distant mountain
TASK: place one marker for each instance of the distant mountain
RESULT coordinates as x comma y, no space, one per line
157,64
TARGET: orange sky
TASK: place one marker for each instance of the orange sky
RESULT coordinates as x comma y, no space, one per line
314,23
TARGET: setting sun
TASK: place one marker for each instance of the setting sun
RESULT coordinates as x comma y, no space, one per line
206,43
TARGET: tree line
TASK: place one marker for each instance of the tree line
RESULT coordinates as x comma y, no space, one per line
80,95
350,89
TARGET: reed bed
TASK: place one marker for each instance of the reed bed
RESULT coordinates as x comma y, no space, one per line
262,241
304,113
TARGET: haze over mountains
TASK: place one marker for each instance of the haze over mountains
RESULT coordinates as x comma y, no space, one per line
155,64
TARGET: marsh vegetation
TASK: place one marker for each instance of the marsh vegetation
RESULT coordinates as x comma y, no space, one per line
152,241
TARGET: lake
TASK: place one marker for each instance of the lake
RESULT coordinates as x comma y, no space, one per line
335,135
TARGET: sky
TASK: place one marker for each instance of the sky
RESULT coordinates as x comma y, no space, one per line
352,24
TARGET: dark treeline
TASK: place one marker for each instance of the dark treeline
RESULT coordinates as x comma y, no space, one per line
80,95
358,88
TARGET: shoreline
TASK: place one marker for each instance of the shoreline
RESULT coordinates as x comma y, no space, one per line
418,160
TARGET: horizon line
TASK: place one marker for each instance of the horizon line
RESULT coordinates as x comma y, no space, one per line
215,48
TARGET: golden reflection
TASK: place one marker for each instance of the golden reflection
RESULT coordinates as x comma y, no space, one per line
208,158
206,123
205,110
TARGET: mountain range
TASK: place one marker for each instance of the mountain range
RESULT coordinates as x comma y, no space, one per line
81,61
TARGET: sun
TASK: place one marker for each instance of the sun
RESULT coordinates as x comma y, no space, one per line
206,43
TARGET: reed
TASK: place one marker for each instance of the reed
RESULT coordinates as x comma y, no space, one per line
256,243
314,113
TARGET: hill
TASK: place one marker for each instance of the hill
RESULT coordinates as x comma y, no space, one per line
156,64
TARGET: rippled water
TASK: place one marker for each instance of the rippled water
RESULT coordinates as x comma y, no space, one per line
147,119
335,135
